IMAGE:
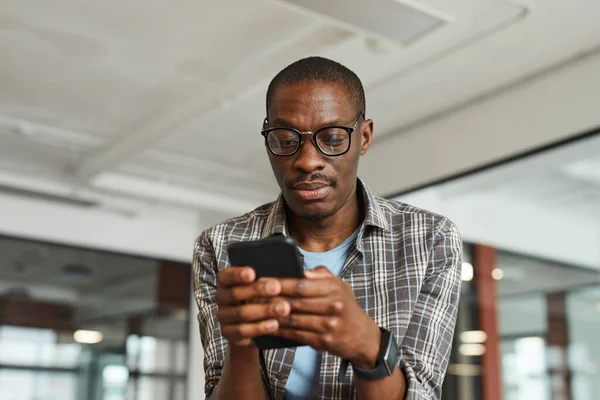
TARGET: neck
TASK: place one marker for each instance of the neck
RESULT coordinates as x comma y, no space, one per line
327,233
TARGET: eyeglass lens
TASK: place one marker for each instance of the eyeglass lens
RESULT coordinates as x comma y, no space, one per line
331,141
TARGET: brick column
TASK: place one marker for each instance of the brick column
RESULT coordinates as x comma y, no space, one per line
484,258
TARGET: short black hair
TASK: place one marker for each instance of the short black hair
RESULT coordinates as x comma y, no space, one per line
319,69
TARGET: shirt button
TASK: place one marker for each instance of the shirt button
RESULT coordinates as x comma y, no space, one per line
280,375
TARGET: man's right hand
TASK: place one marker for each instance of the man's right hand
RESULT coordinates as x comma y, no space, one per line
240,316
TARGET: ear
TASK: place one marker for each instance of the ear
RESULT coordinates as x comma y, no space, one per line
366,134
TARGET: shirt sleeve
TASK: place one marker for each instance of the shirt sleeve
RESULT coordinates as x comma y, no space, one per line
205,271
426,347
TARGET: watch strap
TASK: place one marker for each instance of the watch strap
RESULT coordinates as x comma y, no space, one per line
386,359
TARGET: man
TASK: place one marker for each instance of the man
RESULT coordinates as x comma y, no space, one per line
378,303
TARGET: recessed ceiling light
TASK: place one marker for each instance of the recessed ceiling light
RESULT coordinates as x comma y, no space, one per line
471,349
88,337
467,272
497,274
473,337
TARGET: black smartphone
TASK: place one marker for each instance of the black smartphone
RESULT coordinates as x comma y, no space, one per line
275,257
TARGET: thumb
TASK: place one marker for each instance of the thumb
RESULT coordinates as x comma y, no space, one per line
319,272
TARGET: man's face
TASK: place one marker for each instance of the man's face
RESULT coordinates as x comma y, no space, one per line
316,186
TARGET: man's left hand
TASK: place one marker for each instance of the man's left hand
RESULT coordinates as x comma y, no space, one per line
325,315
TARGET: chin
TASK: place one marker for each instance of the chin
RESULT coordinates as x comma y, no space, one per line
313,213
314,217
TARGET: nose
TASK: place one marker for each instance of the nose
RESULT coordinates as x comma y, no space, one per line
308,159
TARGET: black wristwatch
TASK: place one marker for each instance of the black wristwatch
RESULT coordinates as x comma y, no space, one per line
386,360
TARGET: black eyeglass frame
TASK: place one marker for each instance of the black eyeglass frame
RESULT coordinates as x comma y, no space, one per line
350,130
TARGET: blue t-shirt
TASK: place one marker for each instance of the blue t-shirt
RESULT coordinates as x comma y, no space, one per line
303,382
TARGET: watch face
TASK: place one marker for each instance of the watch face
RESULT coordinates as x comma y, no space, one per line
390,355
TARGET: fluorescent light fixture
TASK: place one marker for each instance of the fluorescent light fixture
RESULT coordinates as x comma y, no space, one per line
533,341
170,193
586,170
464,369
473,337
393,21
88,337
497,274
471,349
467,272
598,306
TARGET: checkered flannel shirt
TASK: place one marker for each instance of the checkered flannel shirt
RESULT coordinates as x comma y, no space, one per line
405,272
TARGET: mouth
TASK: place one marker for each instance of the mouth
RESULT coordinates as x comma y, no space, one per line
312,190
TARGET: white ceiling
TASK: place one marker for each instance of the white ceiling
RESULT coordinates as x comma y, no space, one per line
144,103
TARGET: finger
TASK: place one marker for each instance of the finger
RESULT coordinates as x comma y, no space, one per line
238,333
308,322
238,294
318,341
252,312
232,276
243,342
309,287
319,272
312,305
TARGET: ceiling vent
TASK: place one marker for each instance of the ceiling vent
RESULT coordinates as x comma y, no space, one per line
396,21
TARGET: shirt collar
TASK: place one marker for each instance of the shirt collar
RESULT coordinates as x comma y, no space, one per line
276,223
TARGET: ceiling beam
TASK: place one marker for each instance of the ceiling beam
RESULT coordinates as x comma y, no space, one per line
123,194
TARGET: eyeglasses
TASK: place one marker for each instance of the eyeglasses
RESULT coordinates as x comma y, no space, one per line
332,141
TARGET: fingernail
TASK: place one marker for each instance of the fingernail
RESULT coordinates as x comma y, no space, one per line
281,308
271,287
246,275
271,325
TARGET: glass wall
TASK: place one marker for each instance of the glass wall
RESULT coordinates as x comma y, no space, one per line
537,300
541,216
583,308
463,378
77,324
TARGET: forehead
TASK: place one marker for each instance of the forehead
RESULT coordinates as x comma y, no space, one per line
310,104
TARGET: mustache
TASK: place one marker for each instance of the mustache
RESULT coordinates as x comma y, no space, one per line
306,178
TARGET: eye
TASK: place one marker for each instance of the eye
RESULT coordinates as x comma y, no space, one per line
333,139
282,141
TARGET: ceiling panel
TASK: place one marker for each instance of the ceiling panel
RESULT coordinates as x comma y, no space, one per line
129,59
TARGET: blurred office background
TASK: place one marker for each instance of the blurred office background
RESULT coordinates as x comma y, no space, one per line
126,128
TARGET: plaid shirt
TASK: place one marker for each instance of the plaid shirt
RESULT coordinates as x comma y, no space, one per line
405,273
